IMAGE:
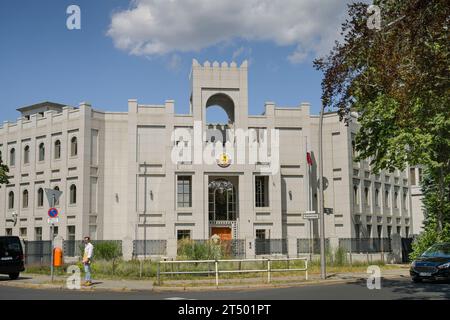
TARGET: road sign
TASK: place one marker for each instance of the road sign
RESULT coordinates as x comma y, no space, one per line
328,210
52,196
53,213
310,215
52,220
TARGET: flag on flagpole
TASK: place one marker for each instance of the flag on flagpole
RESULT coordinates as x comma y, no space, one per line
309,159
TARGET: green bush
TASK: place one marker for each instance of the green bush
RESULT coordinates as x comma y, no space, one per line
107,250
205,250
426,239
340,257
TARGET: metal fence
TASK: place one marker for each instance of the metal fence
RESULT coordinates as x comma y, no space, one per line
37,252
149,247
311,245
75,248
366,245
271,246
219,269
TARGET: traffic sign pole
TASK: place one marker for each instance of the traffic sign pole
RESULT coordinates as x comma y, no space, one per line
52,236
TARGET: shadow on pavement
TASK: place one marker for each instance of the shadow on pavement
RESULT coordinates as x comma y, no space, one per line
6,278
425,291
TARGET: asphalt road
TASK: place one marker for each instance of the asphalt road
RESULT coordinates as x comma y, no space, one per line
398,289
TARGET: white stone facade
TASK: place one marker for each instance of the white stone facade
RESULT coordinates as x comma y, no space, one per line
126,181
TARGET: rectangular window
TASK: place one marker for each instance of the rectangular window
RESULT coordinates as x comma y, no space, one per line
389,231
38,234
357,230
184,191
399,230
70,232
8,231
55,231
23,232
412,176
260,234
380,231
420,175
183,234
407,232
369,230
261,191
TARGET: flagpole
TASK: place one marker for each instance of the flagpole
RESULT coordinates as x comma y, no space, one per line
308,191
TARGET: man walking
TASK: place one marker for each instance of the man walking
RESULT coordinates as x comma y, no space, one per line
87,259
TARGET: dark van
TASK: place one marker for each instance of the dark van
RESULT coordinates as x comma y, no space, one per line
11,257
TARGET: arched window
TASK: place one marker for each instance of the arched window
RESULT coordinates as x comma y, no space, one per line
386,198
11,200
26,155
25,199
220,109
57,150
12,157
355,195
73,194
377,197
57,201
74,147
40,199
41,152
396,199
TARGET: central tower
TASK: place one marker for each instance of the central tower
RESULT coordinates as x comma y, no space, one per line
223,85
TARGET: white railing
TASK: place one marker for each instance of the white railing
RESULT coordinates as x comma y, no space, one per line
217,271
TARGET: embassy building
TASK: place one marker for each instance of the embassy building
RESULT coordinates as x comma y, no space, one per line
152,174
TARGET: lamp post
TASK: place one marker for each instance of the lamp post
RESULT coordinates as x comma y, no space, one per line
323,273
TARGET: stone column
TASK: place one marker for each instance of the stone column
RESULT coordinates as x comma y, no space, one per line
250,248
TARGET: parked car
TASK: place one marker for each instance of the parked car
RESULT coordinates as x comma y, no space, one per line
433,264
11,257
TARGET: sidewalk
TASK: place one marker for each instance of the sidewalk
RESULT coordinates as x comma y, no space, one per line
34,281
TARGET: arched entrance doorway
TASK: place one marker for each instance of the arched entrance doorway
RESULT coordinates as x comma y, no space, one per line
222,208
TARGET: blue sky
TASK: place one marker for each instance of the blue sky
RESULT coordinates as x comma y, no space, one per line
40,59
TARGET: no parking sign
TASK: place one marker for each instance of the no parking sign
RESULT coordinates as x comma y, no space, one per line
53,213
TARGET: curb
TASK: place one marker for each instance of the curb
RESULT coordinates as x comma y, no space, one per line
320,282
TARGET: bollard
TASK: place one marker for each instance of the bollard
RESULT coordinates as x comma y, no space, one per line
158,273
217,274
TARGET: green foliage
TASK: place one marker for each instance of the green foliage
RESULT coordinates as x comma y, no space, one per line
396,80
3,173
340,257
107,250
437,214
104,250
200,250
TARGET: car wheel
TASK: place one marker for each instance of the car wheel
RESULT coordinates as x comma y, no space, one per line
416,280
14,276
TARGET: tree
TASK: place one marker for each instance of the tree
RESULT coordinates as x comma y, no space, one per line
3,173
432,211
397,82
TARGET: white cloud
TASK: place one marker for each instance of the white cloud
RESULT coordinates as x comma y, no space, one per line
174,62
157,27
242,51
